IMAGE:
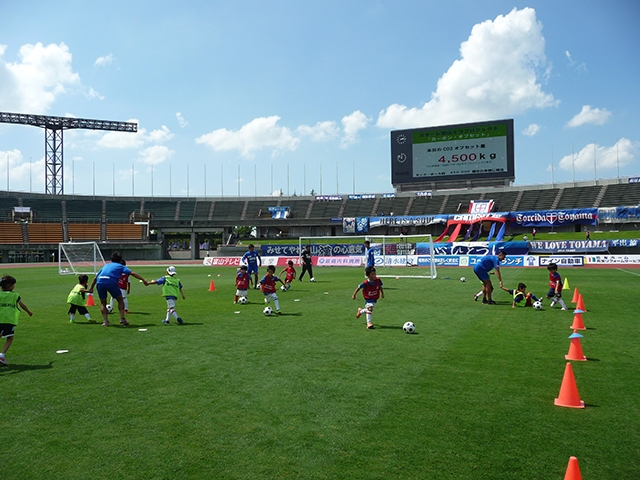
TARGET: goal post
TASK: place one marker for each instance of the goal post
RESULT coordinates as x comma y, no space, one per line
409,256
79,257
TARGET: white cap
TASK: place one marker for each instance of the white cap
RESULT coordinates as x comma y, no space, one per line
171,270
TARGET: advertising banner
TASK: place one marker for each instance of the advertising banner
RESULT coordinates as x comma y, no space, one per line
612,260
561,260
406,220
555,218
569,246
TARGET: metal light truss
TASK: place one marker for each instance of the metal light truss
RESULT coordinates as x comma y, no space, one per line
53,146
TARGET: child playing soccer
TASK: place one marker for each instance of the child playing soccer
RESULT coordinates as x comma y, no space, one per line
76,299
521,297
171,286
555,286
290,275
125,288
252,260
242,283
10,305
371,291
268,286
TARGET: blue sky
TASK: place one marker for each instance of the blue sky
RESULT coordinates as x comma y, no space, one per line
256,97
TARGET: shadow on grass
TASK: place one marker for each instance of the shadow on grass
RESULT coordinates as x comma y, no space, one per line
18,367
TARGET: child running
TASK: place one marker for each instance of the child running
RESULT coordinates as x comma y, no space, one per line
242,283
76,299
521,297
555,286
171,286
290,275
371,291
10,305
268,286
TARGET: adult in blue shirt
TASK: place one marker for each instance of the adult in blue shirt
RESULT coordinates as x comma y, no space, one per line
107,282
369,255
482,269
252,260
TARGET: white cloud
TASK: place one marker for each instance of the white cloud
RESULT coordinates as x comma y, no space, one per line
259,133
622,153
42,74
104,61
21,170
156,154
183,123
497,76
134,140
594,116
352,124
320,132
531,130
572,63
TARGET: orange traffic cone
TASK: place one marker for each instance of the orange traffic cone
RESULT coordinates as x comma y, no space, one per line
575,349
90,302
576,294
580,304
212,286
573,470
578,323
569,396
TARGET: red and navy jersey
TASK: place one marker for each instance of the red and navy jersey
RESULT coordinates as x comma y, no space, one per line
123,281
242,280
555,281
269,283
290,271
371,290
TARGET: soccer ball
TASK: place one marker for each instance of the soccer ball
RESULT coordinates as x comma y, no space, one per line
462,279
109,309
537,305
242,300
313,279
409,327
267,311
283,288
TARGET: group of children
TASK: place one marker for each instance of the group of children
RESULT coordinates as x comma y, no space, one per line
267,283
523,298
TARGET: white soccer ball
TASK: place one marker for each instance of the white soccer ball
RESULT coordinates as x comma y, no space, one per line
267,311
462,279
283,288
109,309
537,305
409,327
242,300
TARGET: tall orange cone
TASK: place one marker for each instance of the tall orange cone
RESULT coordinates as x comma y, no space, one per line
580,304
576,294
212,286
569,396
575,349
573,470
90,302
578,323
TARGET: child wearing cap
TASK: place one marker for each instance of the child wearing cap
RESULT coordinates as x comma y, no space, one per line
171,286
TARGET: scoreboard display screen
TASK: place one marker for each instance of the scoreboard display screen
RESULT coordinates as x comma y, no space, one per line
453,152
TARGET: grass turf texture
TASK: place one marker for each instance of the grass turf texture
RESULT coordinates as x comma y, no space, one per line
312,393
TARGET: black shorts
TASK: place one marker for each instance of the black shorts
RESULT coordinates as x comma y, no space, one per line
79,308
6,330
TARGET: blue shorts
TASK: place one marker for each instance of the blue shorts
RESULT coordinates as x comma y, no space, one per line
481,273
552,293
112,288
252,269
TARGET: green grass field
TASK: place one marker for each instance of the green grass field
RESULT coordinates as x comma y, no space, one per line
312,394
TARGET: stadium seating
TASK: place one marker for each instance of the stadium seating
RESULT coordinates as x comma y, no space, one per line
10,233
119,211
45,232
124,231
84,232
84,210
621,194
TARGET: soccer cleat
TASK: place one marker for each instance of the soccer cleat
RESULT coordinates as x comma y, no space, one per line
71,320
3,361
234,302
105,323
563,308
491,302
123,321
475,297
358,313
485,301
126,310
370,326
278,312
180,321
91,320
552,304
166,322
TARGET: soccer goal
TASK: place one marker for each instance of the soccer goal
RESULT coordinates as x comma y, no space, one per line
410,256
79,257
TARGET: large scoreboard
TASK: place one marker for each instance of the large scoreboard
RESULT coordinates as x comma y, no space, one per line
451,154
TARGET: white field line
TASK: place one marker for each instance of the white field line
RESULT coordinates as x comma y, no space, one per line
627,271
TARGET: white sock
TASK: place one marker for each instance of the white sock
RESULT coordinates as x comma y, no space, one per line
277,304
174,314
561,302
87,316
368,317
72,317
168,315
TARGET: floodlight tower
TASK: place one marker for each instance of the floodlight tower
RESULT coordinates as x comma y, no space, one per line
53,150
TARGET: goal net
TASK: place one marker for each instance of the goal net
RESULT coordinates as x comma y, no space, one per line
79,257
410,256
